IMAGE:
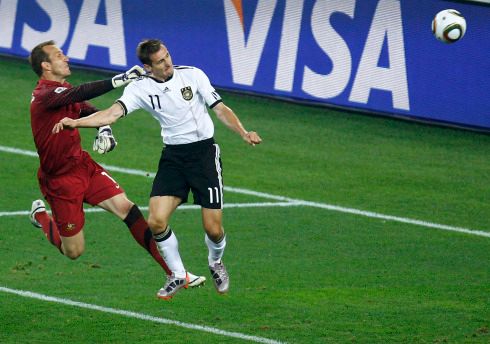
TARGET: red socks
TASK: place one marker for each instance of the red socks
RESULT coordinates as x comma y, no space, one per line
142,234
49,228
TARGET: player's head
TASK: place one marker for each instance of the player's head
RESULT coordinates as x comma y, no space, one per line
155,58
47,60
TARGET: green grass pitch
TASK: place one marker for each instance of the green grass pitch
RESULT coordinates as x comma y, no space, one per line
302,271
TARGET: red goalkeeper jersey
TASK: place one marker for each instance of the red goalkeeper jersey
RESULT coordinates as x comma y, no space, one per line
51,101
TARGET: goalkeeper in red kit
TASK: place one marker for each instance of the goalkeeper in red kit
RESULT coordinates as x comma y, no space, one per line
68,176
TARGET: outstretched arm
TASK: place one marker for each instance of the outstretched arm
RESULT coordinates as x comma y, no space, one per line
228,117
98,119
63,96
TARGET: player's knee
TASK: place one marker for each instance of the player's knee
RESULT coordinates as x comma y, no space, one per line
156,223
73,252
213,226
124,207
215,233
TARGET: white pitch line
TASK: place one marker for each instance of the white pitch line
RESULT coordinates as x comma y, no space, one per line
371,214
128,171
18,151
291,201
182,207
14,213
140,316
395,218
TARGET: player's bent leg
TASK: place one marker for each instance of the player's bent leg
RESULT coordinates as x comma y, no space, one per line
141,232
131,215
119,205
160,210
73,246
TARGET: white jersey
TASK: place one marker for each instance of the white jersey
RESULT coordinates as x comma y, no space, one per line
179,104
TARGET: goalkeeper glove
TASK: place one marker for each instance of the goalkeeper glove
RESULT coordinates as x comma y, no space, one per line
104,142
125,78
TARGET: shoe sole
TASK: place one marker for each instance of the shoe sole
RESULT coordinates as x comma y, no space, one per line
197,282
166,298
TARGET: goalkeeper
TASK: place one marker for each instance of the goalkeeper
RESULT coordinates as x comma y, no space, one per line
67,175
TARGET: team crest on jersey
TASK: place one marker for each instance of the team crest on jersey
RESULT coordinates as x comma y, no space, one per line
186,93
70,226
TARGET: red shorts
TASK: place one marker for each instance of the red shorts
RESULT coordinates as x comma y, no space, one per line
86,182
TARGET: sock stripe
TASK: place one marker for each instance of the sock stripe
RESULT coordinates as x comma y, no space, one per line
138,227
220,239
217,241
164,235
133,216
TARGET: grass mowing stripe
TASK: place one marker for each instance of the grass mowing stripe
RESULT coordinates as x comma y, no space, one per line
135,315
294,201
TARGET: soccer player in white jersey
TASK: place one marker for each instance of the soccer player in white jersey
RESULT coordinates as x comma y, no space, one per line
176,96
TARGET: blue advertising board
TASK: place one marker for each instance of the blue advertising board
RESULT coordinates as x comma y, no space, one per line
370,55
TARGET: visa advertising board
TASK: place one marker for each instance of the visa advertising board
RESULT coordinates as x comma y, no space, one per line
371,55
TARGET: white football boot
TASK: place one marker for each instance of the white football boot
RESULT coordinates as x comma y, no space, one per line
37,207
220,277
195,281
172,286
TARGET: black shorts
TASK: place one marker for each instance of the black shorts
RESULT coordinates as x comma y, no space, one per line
194,166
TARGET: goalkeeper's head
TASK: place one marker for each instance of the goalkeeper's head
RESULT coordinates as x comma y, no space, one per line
38,56
47,58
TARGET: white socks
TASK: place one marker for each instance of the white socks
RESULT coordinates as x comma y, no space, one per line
168,246
216,250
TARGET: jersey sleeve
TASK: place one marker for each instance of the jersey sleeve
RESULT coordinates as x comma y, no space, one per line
206,90
130,100
61,96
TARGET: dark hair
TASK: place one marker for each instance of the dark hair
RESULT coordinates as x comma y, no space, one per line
38,56
146,48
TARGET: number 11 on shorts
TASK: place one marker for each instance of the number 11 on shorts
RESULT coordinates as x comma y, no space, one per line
211,198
